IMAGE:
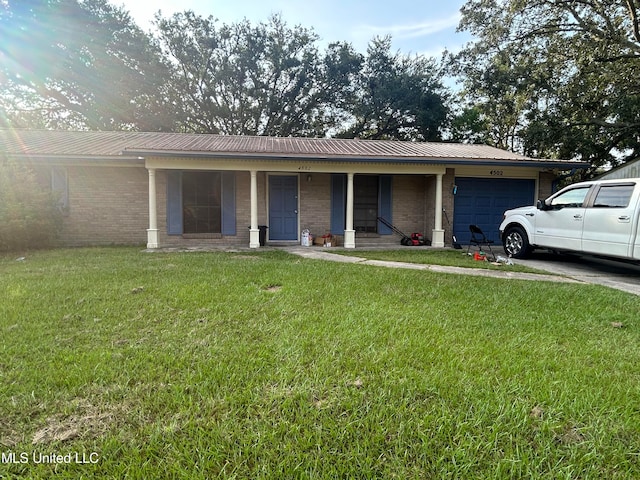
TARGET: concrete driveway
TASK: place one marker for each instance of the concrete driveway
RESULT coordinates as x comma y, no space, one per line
618,275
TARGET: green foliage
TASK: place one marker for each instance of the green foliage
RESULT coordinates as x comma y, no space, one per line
267,79
270,79
95,69
555,78
80,64
397,97
470,126
29,214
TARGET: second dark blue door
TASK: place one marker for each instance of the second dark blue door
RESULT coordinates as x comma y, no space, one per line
283,207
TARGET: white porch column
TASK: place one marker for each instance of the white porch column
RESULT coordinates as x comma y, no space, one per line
349,232
437,239
153,240
254,233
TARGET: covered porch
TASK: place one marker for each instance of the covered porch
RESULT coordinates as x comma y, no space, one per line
322,194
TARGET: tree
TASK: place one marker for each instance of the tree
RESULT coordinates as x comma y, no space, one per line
497,95
469,125
271,80
397,97
79,64
556,78
262,80
85,64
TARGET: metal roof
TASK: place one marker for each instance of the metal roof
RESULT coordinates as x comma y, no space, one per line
101,145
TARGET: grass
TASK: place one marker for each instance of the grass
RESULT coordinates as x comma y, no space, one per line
266,365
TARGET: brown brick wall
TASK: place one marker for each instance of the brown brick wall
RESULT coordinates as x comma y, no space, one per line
315,203
408,203
545,184
107,205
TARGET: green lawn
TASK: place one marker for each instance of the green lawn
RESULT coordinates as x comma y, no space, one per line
267,365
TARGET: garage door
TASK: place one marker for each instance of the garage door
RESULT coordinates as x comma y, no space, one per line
482,201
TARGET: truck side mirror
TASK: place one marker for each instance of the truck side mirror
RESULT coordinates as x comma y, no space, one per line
541,205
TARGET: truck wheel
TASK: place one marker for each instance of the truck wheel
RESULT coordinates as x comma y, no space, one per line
516,242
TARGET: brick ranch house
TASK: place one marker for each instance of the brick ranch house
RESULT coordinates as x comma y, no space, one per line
172,189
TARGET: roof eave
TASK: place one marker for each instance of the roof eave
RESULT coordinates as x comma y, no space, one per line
362,159
71,159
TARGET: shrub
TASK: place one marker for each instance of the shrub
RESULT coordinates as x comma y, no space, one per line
30,216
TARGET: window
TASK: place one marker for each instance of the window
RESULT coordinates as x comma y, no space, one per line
365,203
572,198
613,196
201,202
367,211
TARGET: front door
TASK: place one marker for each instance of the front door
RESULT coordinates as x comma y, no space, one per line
283,207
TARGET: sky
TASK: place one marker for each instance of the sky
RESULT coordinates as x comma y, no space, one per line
424,27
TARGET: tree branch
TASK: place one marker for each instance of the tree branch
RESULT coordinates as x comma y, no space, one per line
633,13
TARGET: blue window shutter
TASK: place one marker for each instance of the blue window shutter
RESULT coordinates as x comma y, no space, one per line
385,206
174,203
228,203
338,203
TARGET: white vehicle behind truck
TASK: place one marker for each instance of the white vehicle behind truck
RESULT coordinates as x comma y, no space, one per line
596,218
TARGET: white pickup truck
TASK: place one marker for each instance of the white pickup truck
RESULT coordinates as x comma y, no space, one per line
596,218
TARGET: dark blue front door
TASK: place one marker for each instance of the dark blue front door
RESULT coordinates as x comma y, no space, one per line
283,207
482,201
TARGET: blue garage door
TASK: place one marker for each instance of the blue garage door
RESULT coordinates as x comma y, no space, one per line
482,201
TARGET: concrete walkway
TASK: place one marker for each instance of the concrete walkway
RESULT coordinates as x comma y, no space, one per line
583,271
319,253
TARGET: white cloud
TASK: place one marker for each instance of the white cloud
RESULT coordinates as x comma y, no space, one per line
413,30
